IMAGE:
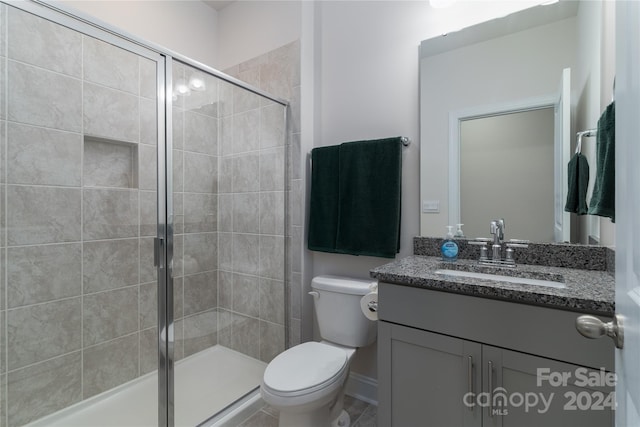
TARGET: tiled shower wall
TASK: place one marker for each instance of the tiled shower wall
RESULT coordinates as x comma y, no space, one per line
78,194
278,73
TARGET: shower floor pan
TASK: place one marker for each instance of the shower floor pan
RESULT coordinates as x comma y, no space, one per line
205,383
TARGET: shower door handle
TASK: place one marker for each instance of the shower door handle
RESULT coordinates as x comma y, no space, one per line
158,246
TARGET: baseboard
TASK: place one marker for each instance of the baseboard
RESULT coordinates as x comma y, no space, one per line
363,388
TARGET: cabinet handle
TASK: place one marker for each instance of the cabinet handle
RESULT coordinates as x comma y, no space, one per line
490,368
470,379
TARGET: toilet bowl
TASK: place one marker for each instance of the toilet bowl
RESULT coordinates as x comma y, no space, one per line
306,383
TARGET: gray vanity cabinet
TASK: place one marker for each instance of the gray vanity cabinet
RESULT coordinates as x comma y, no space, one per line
574,404
435,348
425,377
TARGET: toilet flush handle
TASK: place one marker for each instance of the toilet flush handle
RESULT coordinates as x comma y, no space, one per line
314,294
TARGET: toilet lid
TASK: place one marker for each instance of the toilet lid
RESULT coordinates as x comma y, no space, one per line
304,366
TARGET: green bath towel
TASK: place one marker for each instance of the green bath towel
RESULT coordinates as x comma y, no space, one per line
370,197
603,200
578,173
355,197
323,208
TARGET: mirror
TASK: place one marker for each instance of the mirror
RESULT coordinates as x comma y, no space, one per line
502,156
510,65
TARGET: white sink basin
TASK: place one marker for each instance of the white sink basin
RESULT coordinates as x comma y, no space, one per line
501,278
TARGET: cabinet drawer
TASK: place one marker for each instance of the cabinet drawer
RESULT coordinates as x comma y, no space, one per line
531,329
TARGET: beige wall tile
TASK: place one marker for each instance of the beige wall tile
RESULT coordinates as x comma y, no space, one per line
44,388
38,274
110,113
39,332
200,133
272,212
43,156
271,341
40,42
246,253
200,292
272,257
246,295
42,215
108,315
200,173
110,264
109,65
43,98
272,300
246,213
200,252
200,212
110,214
200,332
109,364
148,85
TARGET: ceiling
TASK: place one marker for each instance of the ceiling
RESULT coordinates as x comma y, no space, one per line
218,4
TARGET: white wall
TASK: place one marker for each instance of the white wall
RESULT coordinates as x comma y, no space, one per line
247,29
367,87
185,27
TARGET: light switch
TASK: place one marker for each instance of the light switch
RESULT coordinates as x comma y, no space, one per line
430,206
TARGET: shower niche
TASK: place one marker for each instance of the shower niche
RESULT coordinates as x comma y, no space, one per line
110,163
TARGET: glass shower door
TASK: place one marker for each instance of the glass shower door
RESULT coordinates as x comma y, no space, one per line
228,260
79,141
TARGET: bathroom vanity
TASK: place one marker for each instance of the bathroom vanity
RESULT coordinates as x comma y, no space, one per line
460,351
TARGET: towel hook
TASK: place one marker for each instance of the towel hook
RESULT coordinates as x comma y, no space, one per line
587,133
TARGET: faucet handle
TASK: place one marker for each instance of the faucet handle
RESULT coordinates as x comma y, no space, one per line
479,241
517,243
482,242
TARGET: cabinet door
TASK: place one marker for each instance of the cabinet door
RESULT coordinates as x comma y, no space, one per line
424,377
530,391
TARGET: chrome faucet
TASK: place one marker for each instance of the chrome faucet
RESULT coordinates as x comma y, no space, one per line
496,228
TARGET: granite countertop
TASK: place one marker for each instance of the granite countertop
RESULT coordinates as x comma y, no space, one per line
585,291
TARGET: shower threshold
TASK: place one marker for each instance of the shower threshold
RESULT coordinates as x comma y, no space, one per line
205,383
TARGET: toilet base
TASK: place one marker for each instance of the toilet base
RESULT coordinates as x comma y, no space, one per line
319,418
343,420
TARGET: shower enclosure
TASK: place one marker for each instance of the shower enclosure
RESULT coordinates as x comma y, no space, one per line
142,218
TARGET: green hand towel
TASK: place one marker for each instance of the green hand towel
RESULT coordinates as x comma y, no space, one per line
603,200
578,173
370,197
323,208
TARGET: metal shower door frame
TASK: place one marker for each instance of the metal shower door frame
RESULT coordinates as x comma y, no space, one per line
163,242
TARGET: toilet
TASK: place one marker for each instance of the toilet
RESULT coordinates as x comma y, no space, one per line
306,383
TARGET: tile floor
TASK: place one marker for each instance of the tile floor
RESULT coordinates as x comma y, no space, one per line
362,415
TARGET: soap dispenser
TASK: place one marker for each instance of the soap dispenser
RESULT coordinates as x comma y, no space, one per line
449,247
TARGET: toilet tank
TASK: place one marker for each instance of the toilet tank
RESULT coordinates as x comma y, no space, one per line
337,308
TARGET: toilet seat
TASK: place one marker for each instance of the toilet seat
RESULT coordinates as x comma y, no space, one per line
305,368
